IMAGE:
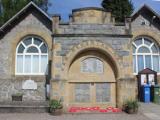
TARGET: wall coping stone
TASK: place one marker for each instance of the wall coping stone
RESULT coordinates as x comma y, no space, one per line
90,8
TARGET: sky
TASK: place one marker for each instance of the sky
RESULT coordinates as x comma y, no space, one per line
64,7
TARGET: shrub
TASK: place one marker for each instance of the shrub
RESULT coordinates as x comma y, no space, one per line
131,106
55,104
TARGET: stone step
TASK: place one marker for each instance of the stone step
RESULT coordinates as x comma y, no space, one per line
24,107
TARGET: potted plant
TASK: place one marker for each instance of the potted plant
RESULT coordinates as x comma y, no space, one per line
55,107
131,106
17,97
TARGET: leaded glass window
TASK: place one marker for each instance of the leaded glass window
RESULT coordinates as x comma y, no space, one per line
82,93
145,55
103,92
31,57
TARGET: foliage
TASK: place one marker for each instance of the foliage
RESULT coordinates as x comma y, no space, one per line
120,8
18,94
55,104
9,8
131,104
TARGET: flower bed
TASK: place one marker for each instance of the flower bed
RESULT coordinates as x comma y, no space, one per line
94,109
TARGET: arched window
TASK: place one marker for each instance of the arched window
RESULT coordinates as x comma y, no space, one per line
145,55
92,65
31,57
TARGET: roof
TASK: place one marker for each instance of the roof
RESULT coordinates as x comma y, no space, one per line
147,71
22,11
133,16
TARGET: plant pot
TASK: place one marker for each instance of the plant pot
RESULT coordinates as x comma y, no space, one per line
16,98
131,110
56,112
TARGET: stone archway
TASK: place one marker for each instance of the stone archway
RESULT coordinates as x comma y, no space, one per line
78,81
104,48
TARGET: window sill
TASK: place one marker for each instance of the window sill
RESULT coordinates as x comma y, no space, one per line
36,74
30,77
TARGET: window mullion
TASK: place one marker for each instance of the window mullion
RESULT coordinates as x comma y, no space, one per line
143,41
32,40
136,64
31,64
152,61
135,45
151,45
16,65
144,59
40,45
39,63
39,56
23,63
24,45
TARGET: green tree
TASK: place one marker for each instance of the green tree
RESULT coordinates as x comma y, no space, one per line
10,7
120,8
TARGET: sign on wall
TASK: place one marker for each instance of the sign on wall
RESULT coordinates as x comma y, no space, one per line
151,79
143,79
29,85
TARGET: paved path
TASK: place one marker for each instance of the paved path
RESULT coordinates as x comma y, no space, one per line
150,110
46,116
147,112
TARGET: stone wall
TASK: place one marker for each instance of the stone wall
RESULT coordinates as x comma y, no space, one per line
117,43
112,40
115,37
31,24
13,87
91,15
126,90
144,26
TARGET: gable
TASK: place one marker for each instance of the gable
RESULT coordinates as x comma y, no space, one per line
31,8
147,15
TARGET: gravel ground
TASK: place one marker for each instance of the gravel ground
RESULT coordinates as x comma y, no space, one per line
46,116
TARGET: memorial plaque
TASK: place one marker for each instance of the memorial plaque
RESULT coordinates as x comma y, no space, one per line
92,65
29,85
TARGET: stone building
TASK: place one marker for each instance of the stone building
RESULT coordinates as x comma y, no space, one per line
89,61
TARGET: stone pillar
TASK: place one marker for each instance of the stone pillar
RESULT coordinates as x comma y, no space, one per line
128,25
59,92
55,23
106,17
126,90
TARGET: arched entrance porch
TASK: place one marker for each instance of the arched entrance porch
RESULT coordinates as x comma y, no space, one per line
91,75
